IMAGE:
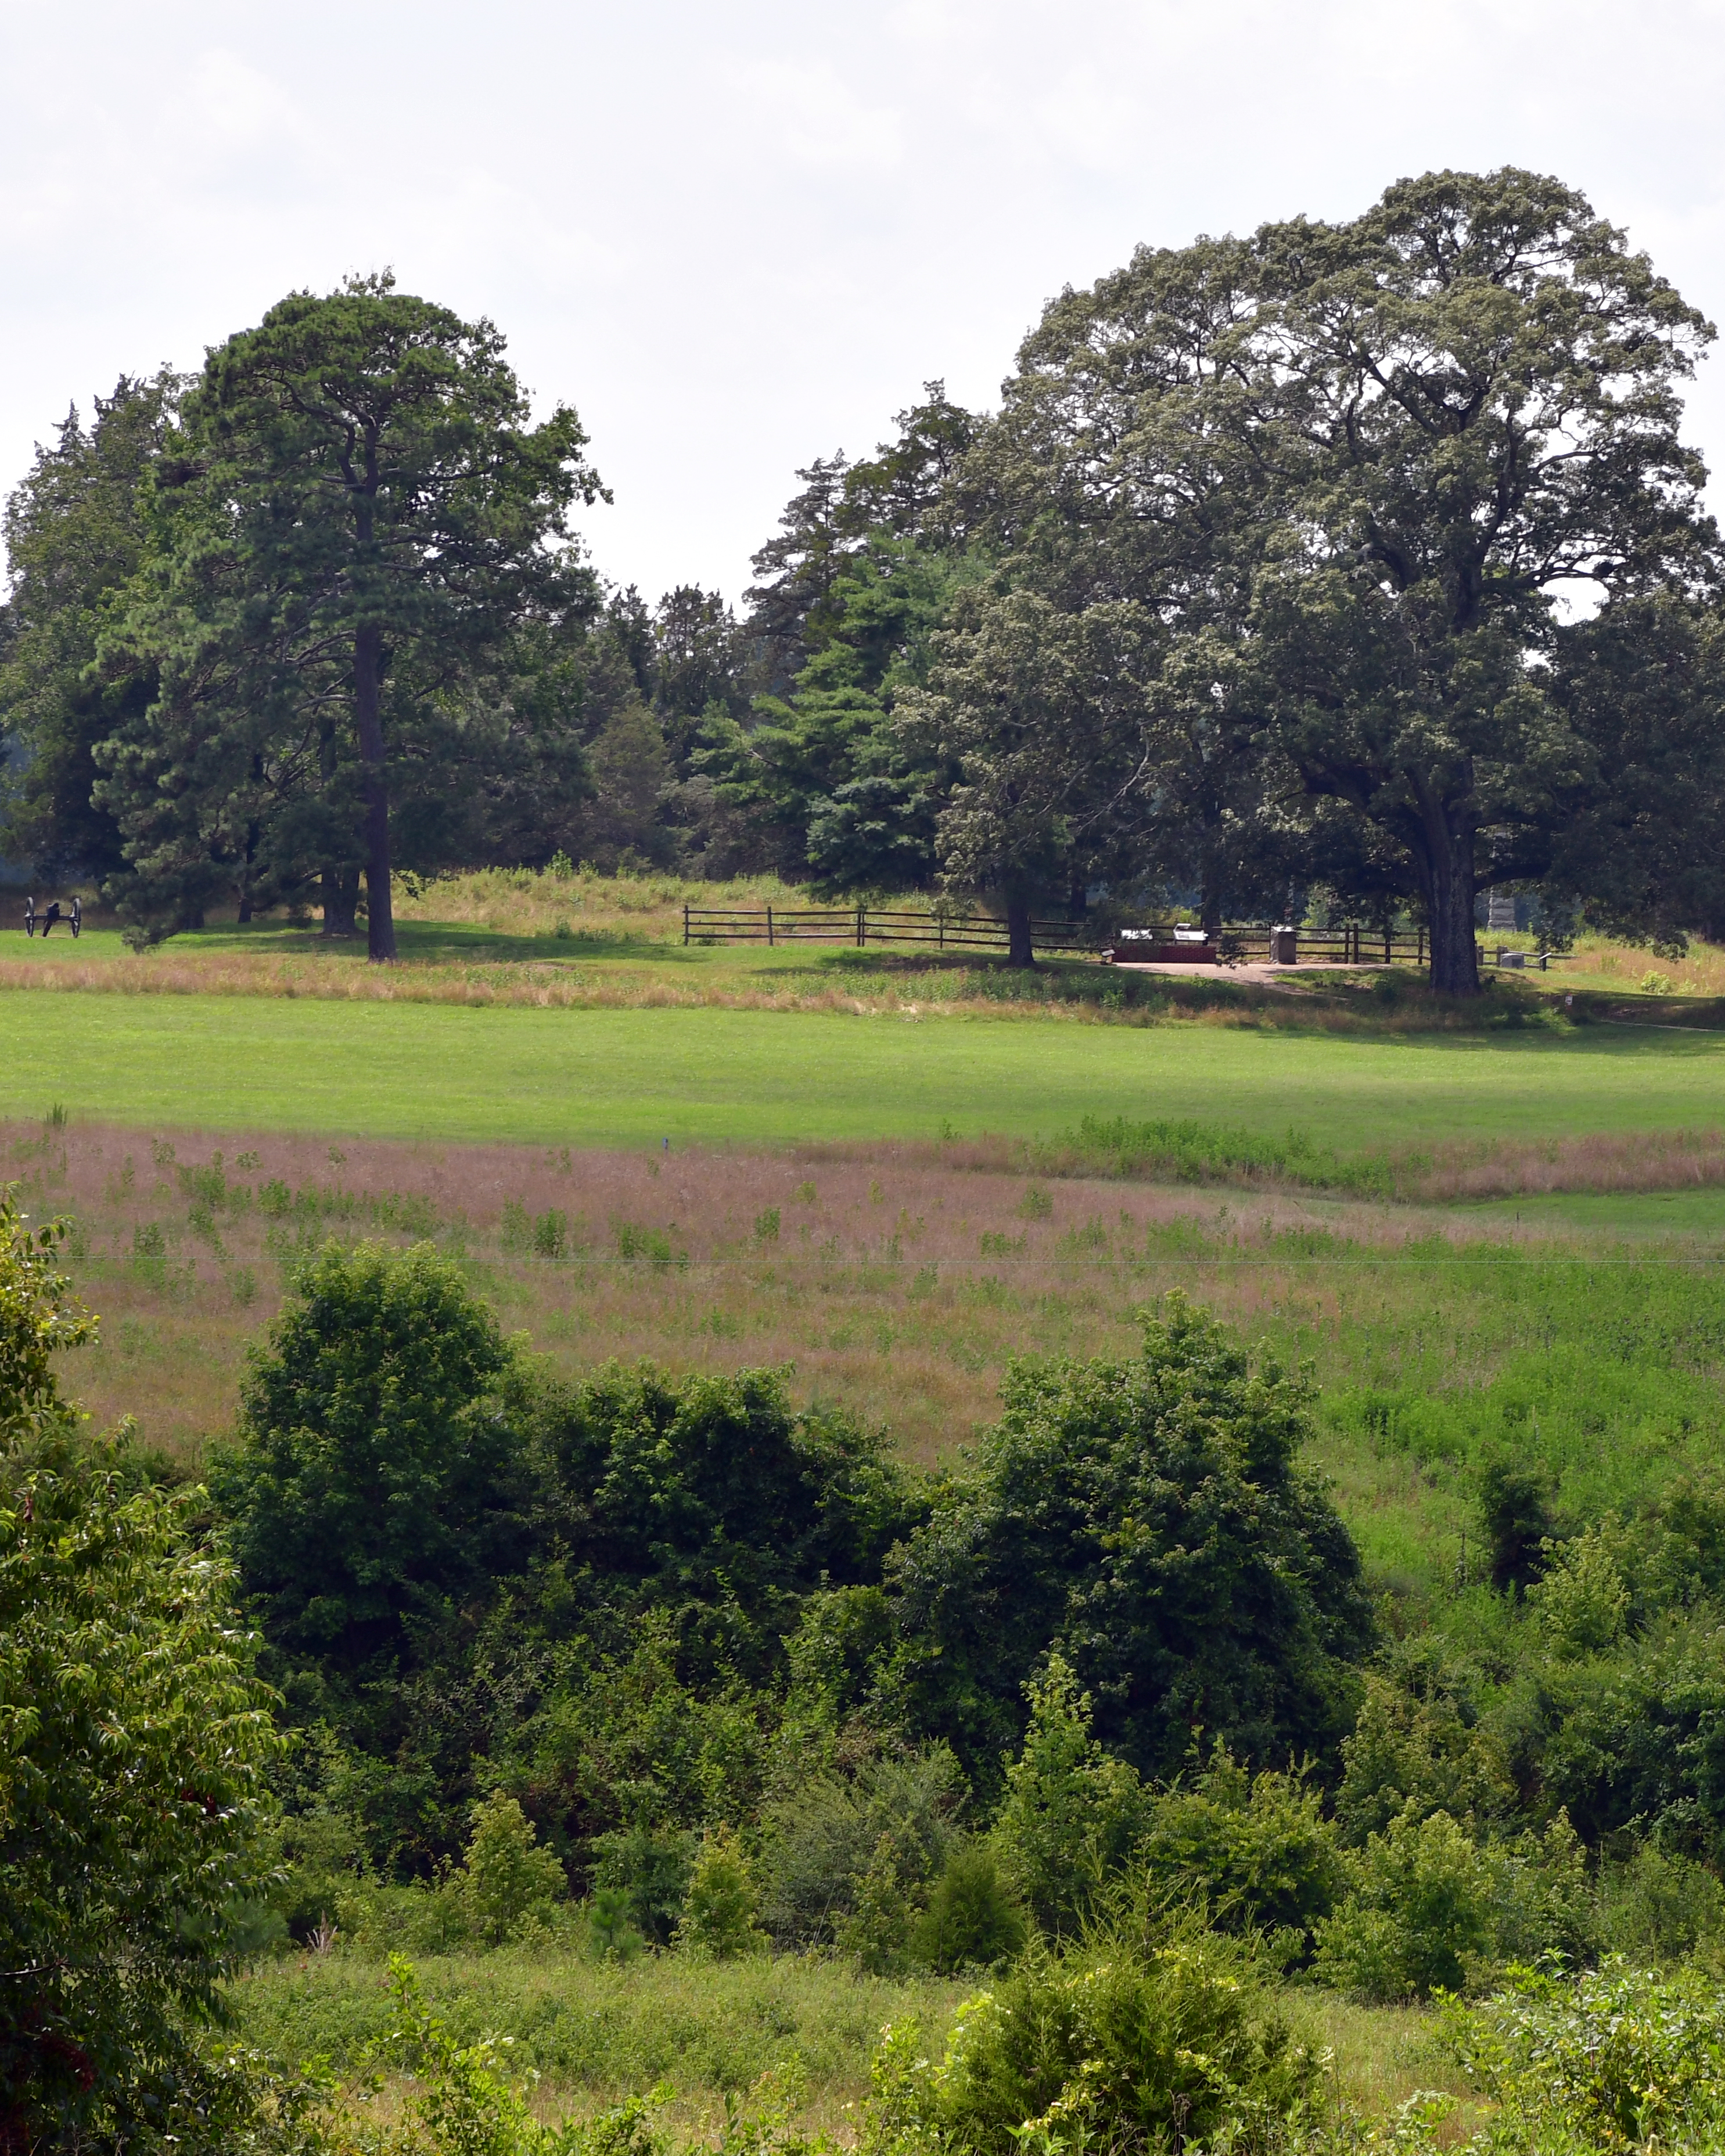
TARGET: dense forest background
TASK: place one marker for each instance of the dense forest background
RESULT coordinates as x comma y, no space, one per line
1360,565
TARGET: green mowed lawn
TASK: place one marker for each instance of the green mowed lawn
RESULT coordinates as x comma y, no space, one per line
635,1076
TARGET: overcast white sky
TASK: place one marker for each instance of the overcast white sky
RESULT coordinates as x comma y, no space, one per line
735,236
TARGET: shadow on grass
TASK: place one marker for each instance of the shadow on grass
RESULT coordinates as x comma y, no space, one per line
433,942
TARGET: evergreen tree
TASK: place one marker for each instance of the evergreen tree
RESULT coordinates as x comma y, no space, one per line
75,530
359,514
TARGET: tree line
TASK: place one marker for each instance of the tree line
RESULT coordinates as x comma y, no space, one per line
1365,560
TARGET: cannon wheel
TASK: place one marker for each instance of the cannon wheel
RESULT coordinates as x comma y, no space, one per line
77,915
30,917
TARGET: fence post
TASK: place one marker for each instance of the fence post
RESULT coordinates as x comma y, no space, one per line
686,928
769,928
861,929
1422,943
939,931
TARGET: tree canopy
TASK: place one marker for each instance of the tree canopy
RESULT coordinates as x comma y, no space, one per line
1152,1523
1357,566
356,514
134,1742
1342,478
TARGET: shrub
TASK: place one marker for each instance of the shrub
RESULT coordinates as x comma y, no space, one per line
648,1864
1150,1522
1659,1909
611,1926
971,1920
551,1233
875,1930
718,1919
1255,1850
1514,1519
1121,2046
1433,1910
461,2099
1421,1913
1071,1812
134,1741
1613,2059
507,1878
1417,1743
849,1859
1580,1604
714,1498
374,1475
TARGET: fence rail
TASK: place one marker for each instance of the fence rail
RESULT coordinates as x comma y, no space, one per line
863,924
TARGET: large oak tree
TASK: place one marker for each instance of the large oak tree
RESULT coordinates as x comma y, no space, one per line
1347,474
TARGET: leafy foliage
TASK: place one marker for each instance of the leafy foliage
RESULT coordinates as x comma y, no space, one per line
134,1742
1152,1523
1254,1851
373,1478
1072,1813
718,1919
506,1879
1126,2044
356,514
75,531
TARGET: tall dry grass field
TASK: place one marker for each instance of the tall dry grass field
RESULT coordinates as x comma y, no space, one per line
893,1279
900,1281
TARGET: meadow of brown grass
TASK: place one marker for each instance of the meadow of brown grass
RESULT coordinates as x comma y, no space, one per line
897,1279
1602,1161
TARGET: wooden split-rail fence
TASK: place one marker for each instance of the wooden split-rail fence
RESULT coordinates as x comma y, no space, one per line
862,926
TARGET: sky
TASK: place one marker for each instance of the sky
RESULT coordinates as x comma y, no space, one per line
739,236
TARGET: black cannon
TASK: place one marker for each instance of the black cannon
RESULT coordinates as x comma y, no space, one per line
46,919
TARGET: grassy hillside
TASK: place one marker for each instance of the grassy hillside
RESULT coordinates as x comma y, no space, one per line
621,1077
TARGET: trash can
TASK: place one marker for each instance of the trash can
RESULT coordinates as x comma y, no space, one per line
1284,946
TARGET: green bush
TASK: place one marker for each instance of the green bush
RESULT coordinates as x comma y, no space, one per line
461,2099
1123,2045
1580,1605
1072,1812
1421,1917
1659,1909
1612,2059
1514,1519
1152,1523
718,1918
507,1880
849,1859
134,1744
649,1865
374,1476
1419,1742
715,1498
1432,1909
1254,1850
971,1920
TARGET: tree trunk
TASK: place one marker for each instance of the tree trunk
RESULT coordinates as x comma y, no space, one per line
245,904
1449,896
367,682
340,895
1018,933
1077,900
